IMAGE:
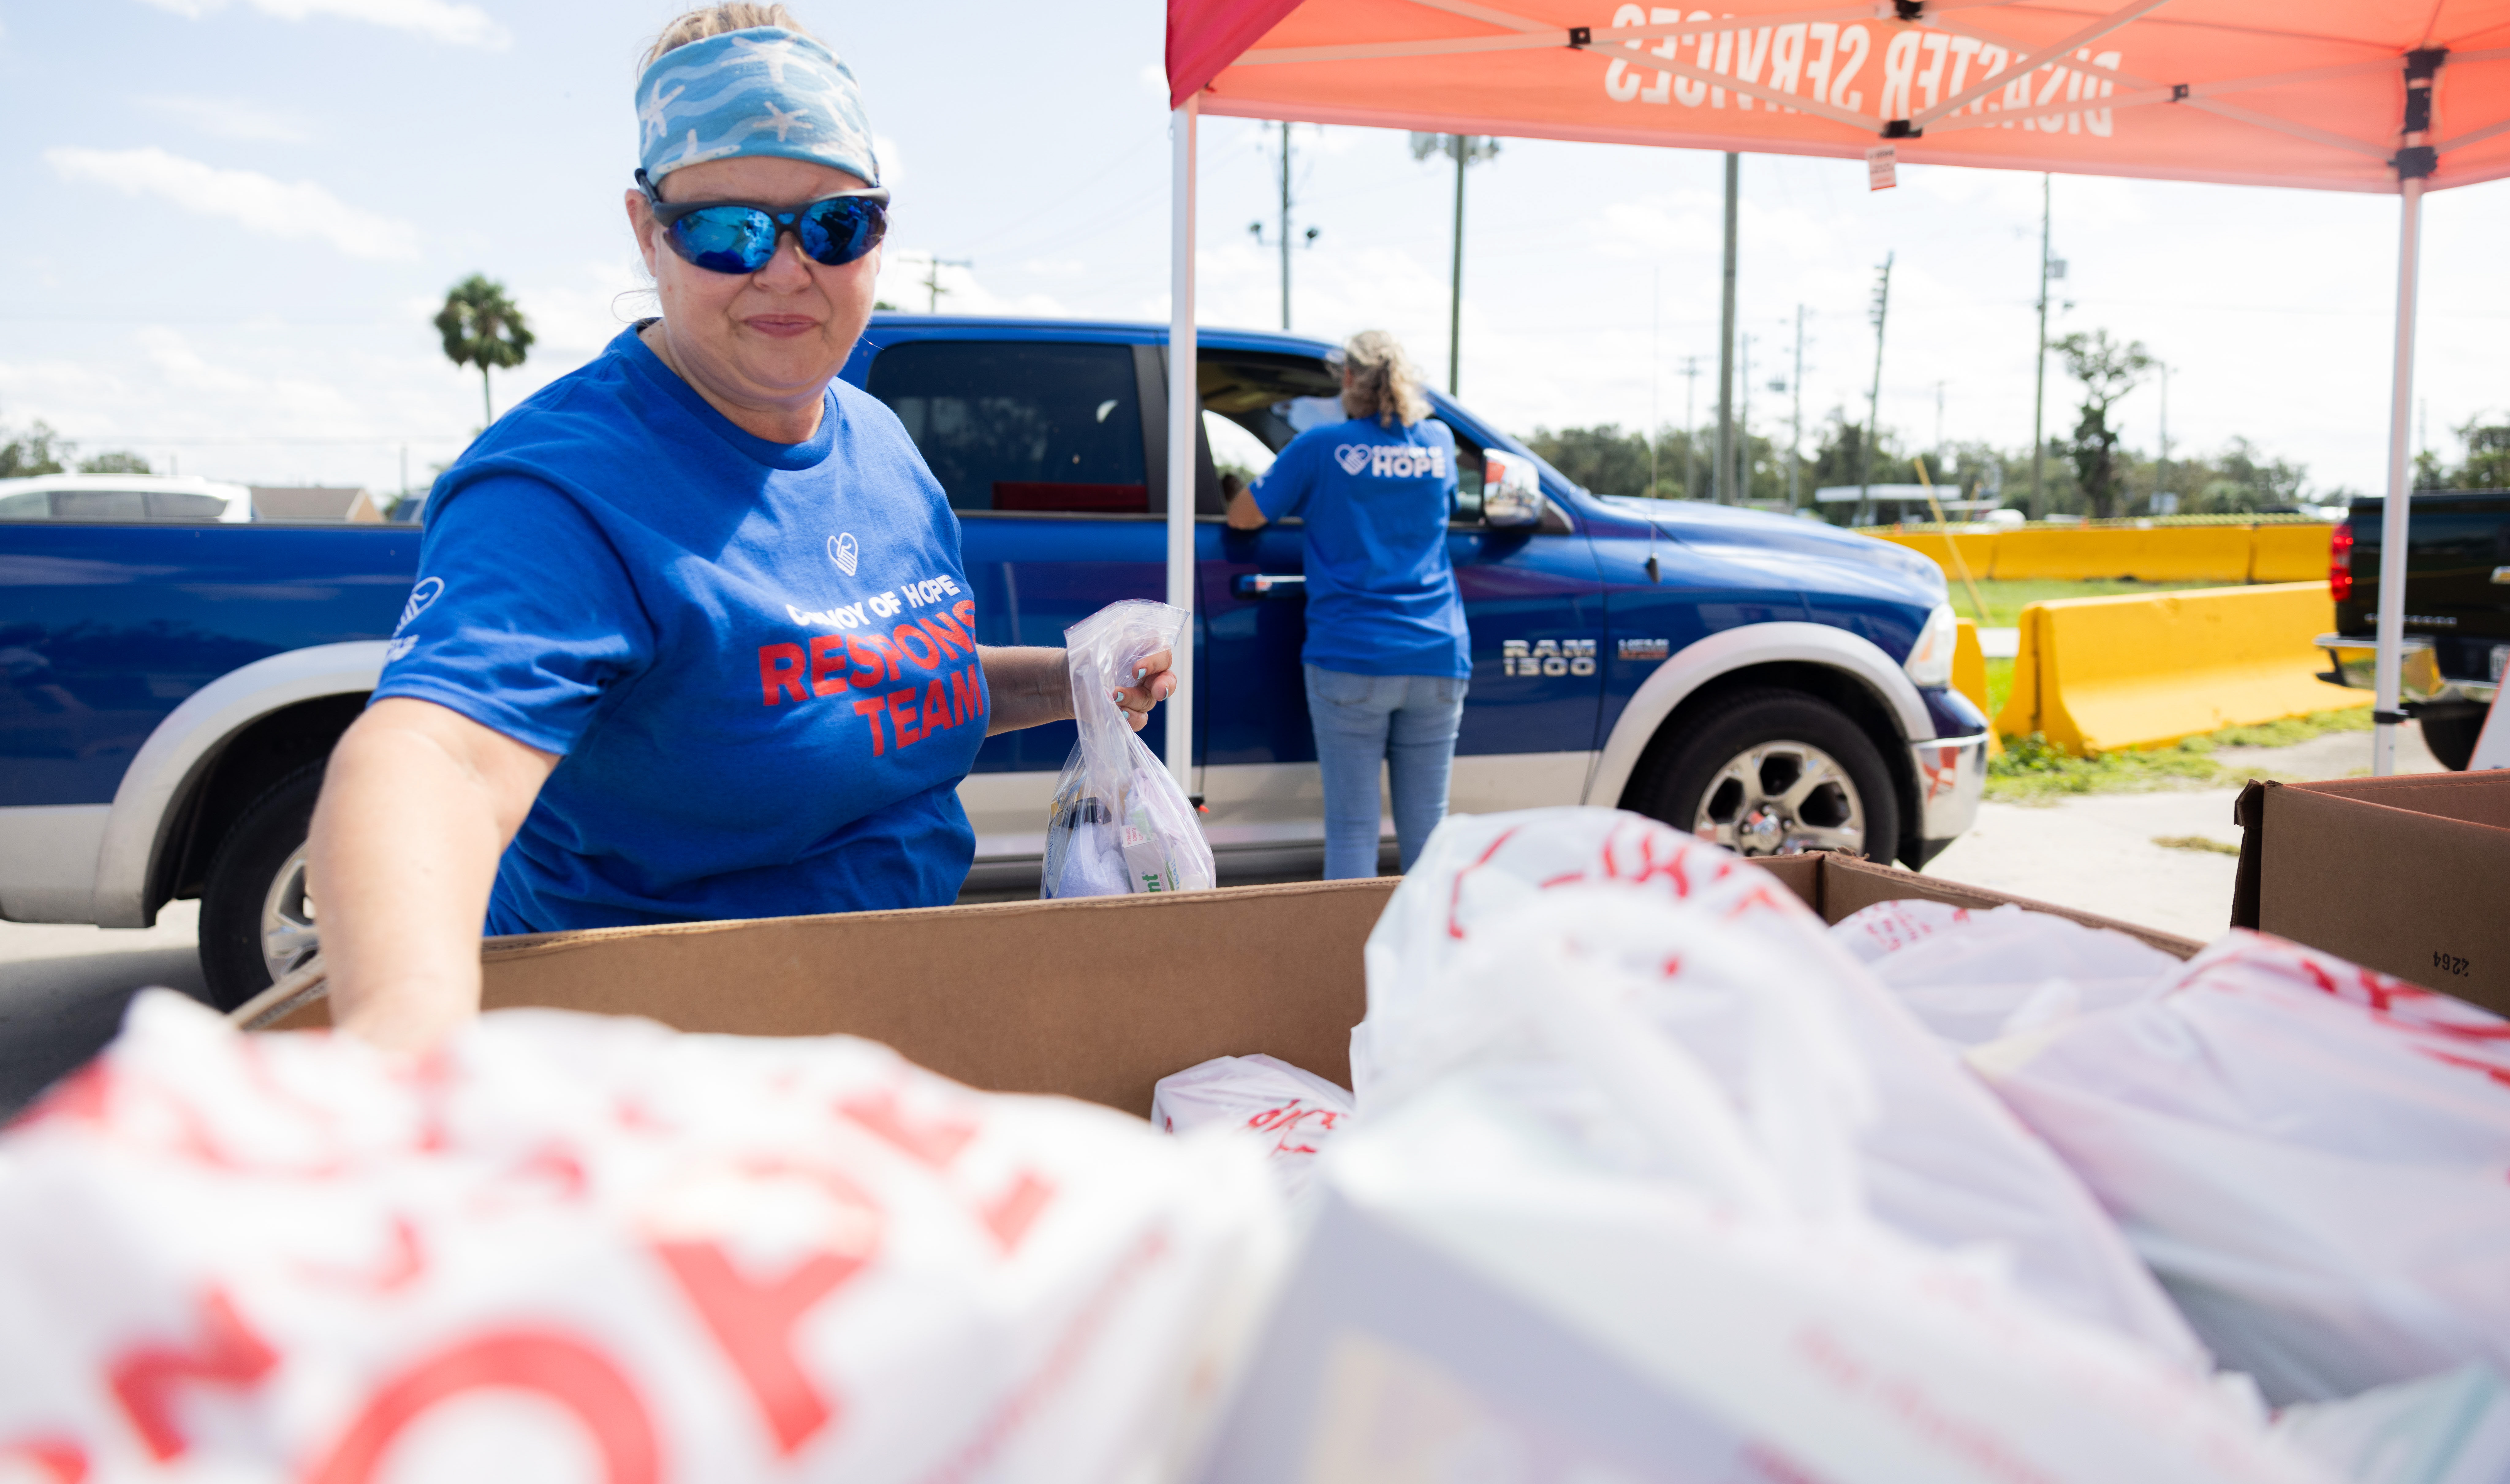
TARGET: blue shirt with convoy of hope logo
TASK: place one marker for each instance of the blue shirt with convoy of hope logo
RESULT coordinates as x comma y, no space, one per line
1381,596
757,659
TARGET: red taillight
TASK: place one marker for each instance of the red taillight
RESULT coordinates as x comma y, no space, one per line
2339,565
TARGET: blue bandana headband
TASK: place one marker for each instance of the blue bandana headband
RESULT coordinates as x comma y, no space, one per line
765,91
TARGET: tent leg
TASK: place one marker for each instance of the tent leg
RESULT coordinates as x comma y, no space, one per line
2388,674
1185,402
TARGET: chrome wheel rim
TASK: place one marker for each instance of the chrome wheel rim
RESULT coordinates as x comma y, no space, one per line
287,927
1781,798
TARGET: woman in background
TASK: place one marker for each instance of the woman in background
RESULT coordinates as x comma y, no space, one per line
1386,654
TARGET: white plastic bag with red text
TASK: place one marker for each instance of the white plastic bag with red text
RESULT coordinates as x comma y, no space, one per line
577,1246
2313,1156
1973,975
1939,1161
1293,1111
1120,824
1624,1237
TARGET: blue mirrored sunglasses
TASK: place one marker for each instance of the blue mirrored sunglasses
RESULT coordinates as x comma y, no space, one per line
741,237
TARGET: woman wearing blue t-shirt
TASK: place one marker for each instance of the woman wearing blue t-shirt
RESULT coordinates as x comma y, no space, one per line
1387,653
691,637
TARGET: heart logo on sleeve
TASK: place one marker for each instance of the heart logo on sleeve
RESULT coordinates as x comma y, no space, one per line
1352,457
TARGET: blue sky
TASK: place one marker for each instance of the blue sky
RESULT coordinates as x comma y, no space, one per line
233,219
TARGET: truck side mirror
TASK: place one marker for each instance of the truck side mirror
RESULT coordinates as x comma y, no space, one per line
1511,495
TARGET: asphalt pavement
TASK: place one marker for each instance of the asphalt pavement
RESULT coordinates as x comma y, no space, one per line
62,989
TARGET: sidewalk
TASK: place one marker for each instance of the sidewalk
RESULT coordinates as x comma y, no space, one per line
2097,853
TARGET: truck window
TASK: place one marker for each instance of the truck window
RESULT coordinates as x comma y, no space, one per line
34,505
169,504
1469,466
1021,425
1273,395
100,505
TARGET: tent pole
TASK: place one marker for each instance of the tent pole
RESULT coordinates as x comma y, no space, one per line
1185,402
1724,478
2385,677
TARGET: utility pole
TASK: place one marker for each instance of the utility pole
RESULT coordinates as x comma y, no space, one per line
1874,402
1725,343
932,289
2040,367
1655,370
1939,423
1743,420
1285,224
2161,481
1456,278
1691,427
1795,448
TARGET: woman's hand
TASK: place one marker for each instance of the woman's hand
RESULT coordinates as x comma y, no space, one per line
1152,683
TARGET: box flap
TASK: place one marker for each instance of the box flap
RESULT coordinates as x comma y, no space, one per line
2477,798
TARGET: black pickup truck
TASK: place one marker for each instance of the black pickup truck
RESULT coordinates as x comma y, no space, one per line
2457,610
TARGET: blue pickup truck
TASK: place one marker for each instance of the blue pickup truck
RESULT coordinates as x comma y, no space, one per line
173,686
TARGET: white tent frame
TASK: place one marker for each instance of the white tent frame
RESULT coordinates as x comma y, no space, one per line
1184,392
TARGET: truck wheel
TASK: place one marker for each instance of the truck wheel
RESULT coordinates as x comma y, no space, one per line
1773,772
256,922
2450,733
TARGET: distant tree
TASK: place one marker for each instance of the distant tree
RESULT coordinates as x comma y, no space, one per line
2108,371
482,327
115,463
38,450
1605,459
2486,465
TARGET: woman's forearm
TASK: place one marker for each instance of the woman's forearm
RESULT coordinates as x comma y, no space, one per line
414,814
1027,687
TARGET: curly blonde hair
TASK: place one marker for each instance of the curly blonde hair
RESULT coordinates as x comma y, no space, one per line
715,19
1383,384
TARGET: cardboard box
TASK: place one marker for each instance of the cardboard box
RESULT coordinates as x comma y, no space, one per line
1095,998
2404,875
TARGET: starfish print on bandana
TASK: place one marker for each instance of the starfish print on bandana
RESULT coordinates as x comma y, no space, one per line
691,154
775,54
779,121
655,112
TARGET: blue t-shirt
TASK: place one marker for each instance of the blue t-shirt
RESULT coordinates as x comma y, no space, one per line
1382,596
757,659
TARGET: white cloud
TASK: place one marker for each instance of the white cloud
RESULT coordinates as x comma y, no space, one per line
260,204
1154,79
893,165
464,25
234,119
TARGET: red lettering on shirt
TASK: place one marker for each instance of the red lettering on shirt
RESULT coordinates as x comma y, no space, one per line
779,670
872,661
828,657
872,709
936,708
908,638
946,633
967,694
903,719
63,1460
965,613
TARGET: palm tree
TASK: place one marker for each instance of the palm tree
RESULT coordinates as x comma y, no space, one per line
482,327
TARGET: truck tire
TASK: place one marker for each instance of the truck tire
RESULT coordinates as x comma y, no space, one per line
255,921
1773,772
2450,731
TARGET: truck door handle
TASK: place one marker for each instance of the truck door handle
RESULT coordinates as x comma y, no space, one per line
1268,584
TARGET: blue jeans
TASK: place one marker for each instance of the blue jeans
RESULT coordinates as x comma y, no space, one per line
1409,723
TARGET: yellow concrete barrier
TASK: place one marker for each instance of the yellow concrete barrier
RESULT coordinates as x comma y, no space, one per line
1977,548
2289,553
2096,675
2161,554
1970,677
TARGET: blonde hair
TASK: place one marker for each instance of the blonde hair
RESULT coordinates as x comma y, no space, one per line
1384,383
715,19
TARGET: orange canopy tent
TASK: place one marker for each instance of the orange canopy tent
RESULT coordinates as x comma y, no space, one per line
2332,95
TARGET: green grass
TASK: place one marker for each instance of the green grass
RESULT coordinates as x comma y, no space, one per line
2031,772
2006,600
